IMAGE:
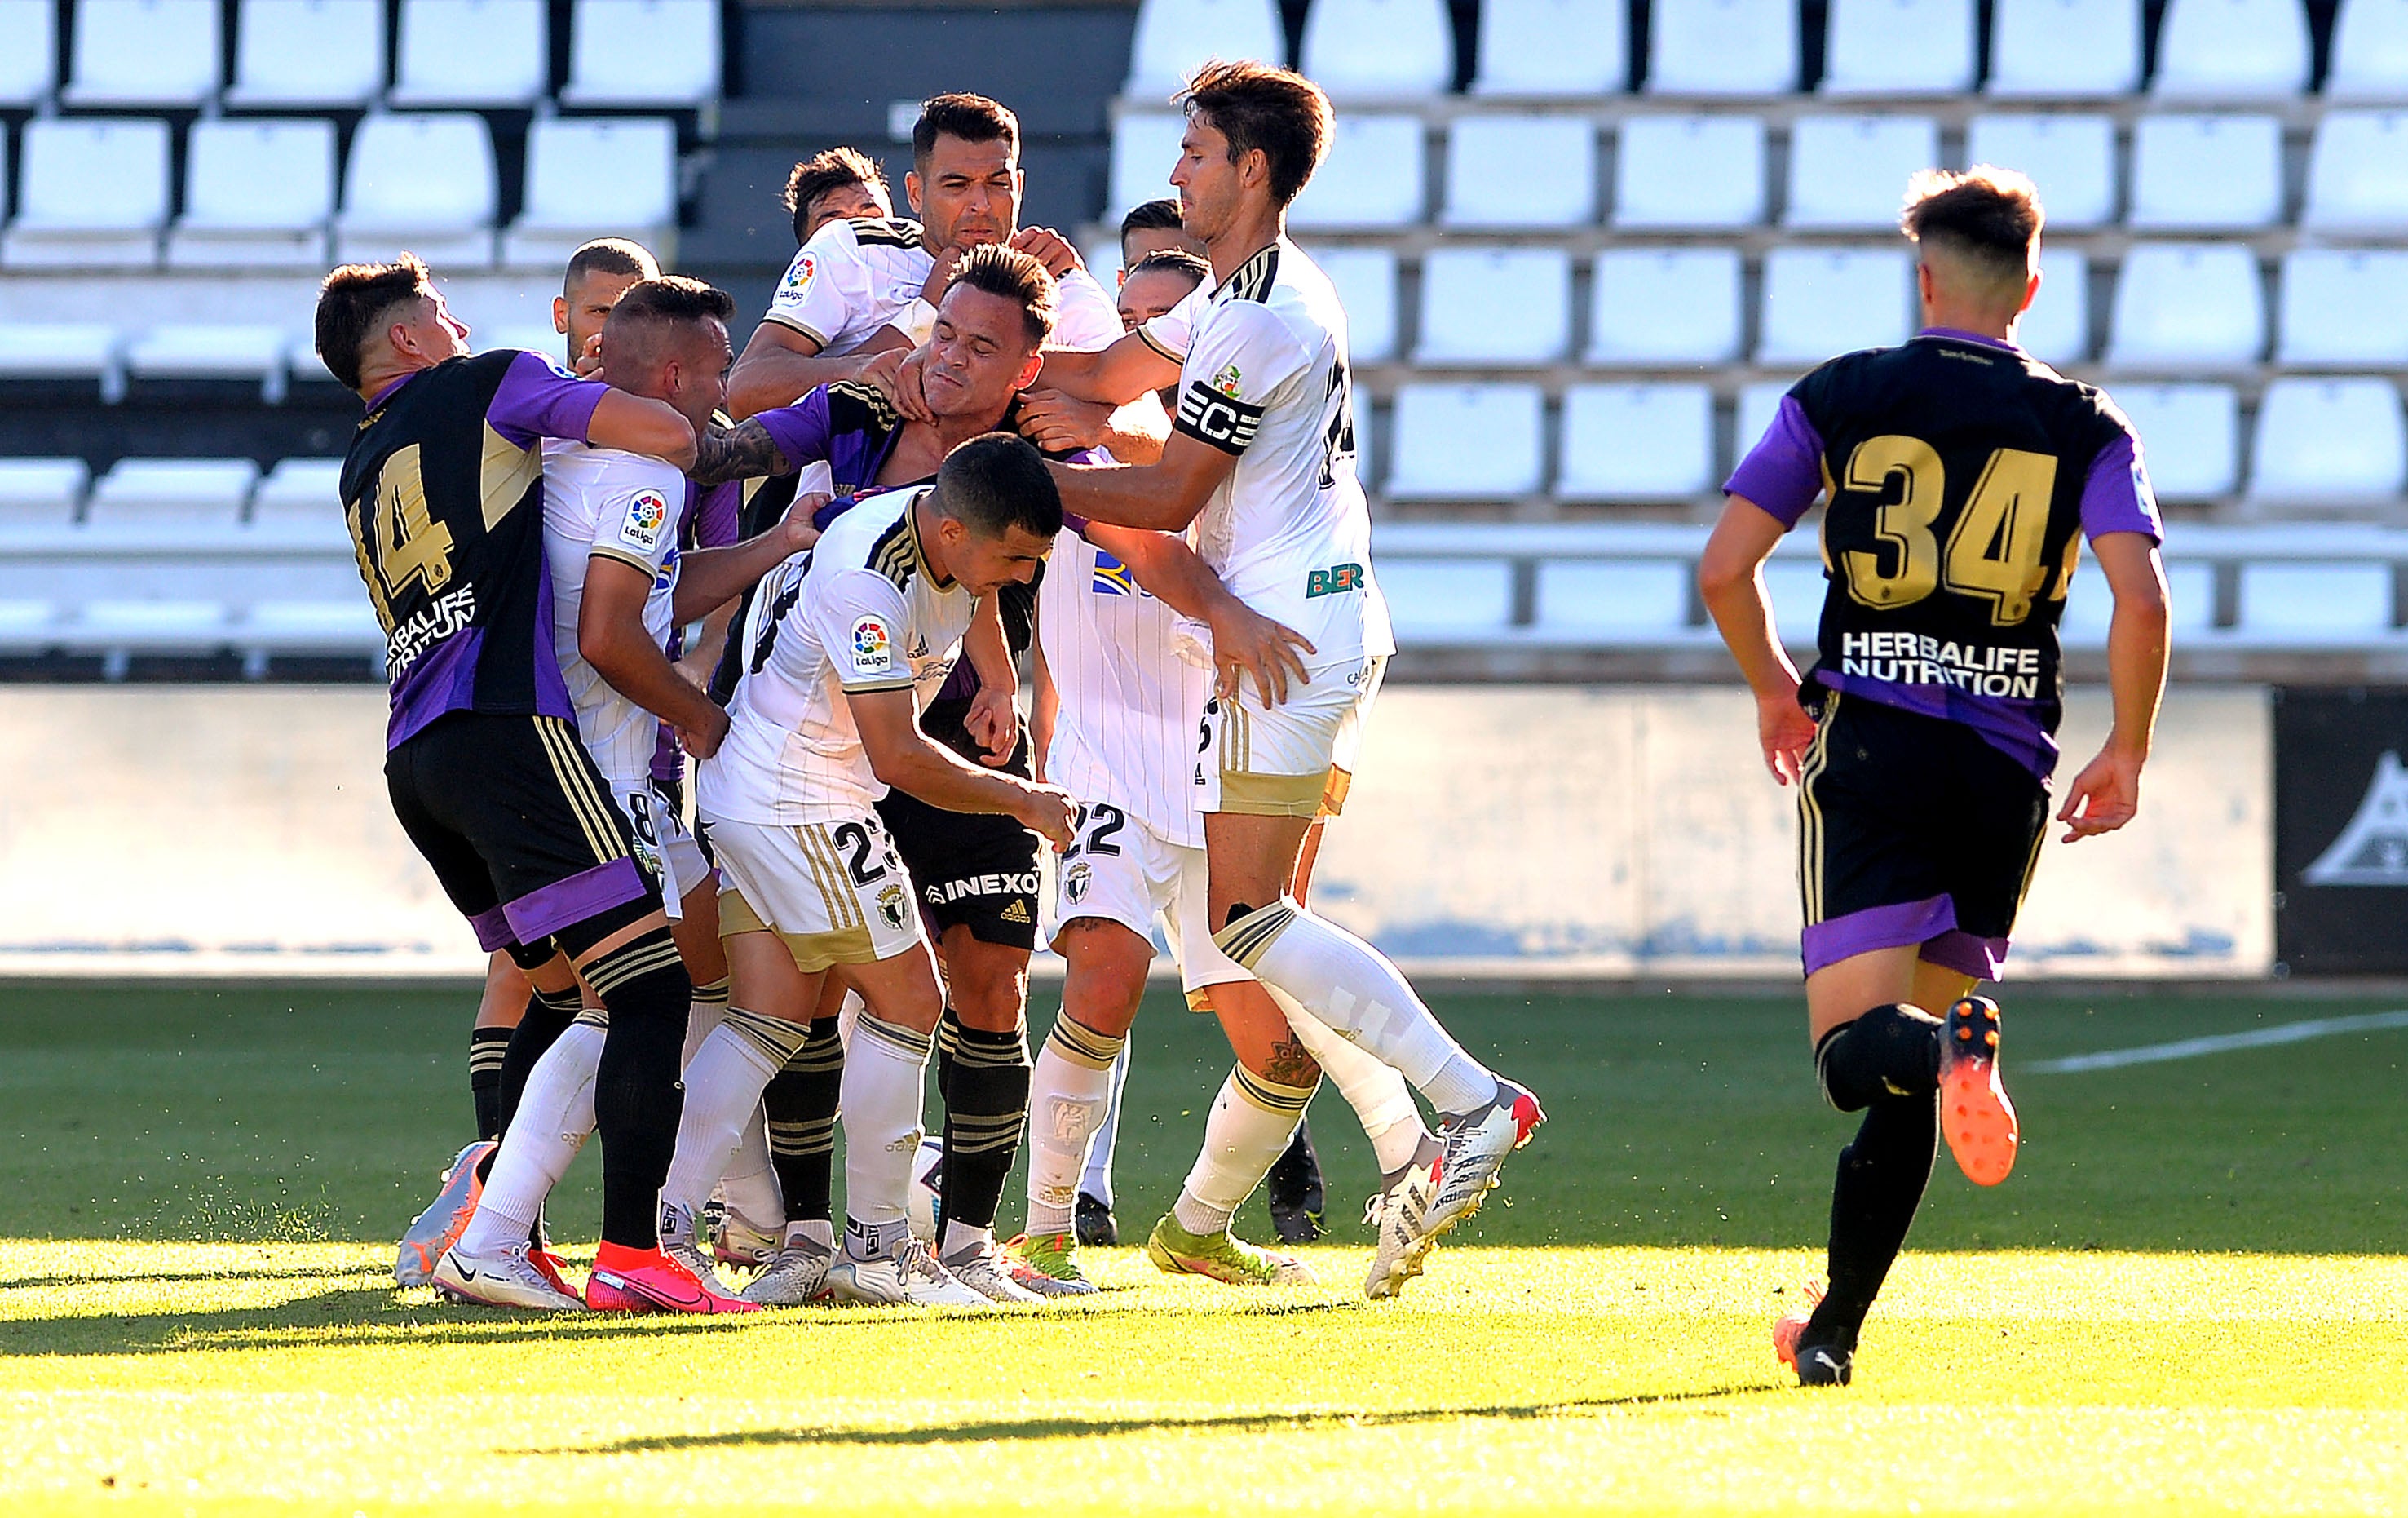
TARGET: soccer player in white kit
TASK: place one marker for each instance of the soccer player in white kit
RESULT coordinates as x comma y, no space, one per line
842,648
1261,467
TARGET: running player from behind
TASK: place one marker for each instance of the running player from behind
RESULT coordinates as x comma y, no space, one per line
1261,463
1963,475
442,488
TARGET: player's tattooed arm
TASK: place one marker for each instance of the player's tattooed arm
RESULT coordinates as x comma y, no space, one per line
743,452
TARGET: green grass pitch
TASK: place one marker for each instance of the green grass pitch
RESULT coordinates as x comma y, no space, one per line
2191,1296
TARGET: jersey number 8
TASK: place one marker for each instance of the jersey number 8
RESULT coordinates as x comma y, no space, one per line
1993,547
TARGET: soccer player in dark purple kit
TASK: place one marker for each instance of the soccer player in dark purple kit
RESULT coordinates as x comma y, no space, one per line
1963,476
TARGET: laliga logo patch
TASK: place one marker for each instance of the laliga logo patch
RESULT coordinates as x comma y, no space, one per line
1227,380
892,906
1076,882
873,653
647,514
799,275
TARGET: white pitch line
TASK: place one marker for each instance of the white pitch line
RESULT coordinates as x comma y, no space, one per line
2185,1049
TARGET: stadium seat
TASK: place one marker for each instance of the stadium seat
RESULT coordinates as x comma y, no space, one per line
1637,443
642,52
64,351
2314,603
1657,306
1722,48
1366,279
1899,46
258,193
1495,306
92,194
2191,436
1174,36
29,53
300,492
2328,443
422,182
2071,157
212,351
612,175
2190,604
1361,50
472,53
2201,172
2231,49
1797,587
1759,401
1553,47
1688,172
1375,176
121,627
1823,301
1632,600
2343,308
2358,173
1431,459
1521,171
1850,172
2065,48
178,60
184,492
2188,305
327,53
27,625
330,626
41,492
1442,600
2370,51
2056,329
1145,148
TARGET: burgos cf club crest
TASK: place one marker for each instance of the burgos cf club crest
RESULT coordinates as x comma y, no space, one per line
1076,881
893,905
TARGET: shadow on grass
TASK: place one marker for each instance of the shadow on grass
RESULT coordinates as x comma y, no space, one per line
112,1278
1039,1428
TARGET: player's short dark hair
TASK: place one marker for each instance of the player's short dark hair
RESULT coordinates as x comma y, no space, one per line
997,482
1275,109
1152,216
610,255
1174,261
654,309
970,118
1016,277
1991,216
355,300
817,175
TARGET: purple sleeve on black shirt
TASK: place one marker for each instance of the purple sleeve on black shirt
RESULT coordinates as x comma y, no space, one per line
717,517
2115,495
537,401
801,430
1783,472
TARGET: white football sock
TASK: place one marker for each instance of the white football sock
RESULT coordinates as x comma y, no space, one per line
1351,987
1382,1103
1249,1128
1069,1094
960,1238
556,1113
819,1232
702,1014
722,1092
886,1079
1096,1179
750,1183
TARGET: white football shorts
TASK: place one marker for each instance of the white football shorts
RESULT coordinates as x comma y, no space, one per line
837,892
664,846
1127,874
1293,760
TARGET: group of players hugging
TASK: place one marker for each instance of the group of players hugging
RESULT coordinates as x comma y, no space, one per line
959,456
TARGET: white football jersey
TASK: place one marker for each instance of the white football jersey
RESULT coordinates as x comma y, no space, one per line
1263,377
854,277
1128,707
858,612
614,504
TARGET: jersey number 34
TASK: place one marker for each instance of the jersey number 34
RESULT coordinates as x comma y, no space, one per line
1994,546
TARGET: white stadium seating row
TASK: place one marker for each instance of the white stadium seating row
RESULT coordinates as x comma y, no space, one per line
2218,49
331,53
198,493
260,193
1845,172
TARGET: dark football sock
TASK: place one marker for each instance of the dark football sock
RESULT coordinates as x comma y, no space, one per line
1891,1051
986,1106
1295,1180
637,1096
802,1100
1879,1184
487,1048
948,1045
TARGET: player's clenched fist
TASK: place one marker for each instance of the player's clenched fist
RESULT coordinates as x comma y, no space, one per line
1049,812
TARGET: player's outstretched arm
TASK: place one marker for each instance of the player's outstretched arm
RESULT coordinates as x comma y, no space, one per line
743,452
710,578
906,758
1731,579
2107,793
1161,497
639,425
1116,374
1244,642
993,719
780,365
611,636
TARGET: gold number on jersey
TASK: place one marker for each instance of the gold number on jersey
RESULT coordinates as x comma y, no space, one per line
410,543
1904,524
1994,550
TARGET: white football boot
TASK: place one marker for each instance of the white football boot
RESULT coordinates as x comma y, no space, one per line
984,1270
907,1276
794,1274
507,1279
1472,1148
